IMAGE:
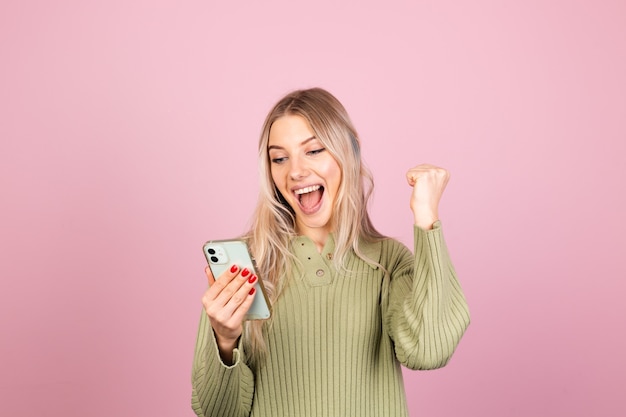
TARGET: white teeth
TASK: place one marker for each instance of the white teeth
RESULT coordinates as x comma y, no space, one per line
307,189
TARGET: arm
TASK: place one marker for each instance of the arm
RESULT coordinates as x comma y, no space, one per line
427,313
218,389
222,384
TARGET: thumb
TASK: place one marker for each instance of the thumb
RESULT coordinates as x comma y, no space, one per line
209,275
411,177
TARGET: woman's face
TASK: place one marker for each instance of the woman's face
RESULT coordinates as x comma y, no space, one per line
305,173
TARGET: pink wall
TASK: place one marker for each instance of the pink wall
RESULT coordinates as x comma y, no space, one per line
128,133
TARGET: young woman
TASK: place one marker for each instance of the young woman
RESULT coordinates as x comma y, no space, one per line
349,305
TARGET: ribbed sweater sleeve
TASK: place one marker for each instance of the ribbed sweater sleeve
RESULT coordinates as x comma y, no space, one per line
219,390
426,311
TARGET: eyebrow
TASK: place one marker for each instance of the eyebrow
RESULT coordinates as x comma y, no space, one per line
304,142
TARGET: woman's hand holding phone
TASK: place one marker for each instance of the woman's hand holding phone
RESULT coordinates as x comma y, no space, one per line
226,303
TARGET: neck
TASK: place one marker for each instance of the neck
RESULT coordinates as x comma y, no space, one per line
317,235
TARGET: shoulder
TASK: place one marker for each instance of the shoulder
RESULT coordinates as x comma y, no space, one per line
386,252
395,253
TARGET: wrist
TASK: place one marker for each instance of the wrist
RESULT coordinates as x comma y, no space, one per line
227,344
425,219
426,225
226,348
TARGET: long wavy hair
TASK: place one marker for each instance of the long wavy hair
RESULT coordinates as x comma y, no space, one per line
273,222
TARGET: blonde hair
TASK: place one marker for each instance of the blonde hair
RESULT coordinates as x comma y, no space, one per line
273,222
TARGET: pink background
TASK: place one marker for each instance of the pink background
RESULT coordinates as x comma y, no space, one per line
128,137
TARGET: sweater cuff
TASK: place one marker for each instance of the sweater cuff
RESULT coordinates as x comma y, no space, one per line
237,352
436,228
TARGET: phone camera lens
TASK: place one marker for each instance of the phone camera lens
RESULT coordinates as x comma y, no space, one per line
211,251
214,258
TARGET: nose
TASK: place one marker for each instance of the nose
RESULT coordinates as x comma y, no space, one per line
298,169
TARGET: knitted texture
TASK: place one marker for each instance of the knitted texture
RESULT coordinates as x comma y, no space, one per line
337,339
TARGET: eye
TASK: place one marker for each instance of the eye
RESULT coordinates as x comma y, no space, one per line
316,151
278,160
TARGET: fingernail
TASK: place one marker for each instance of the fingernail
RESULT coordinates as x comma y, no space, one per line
252,279
252,290
245,272
233,269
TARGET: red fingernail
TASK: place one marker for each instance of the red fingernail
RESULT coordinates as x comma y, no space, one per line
252,279
233,269
252,291
245,272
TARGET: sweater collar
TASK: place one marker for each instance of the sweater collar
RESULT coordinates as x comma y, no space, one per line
370,250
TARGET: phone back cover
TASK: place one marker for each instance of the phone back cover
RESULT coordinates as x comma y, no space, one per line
221,255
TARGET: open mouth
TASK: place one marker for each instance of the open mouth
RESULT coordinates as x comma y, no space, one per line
309,198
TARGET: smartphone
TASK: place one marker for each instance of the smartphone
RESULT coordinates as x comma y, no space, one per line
222,254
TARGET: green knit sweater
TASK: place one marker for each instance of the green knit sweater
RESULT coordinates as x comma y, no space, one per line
337,340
